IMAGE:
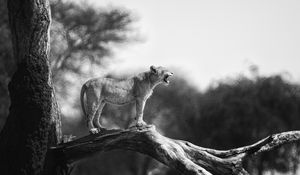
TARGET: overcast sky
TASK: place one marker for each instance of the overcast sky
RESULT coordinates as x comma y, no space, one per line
213,39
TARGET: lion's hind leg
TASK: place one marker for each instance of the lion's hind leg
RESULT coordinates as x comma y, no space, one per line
96,120
92,107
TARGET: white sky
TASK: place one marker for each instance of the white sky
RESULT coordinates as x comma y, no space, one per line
213,39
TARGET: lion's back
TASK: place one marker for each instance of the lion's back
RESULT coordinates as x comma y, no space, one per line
116,91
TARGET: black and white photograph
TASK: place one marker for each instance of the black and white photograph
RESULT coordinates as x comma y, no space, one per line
149,87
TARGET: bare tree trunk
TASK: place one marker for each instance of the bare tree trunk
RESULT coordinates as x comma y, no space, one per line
33,123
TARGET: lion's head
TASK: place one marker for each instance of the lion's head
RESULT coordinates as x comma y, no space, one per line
160,75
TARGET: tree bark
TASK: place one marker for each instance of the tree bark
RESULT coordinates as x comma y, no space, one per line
33,123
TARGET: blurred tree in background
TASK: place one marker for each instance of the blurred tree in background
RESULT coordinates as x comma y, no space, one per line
81,32
231,113
246,110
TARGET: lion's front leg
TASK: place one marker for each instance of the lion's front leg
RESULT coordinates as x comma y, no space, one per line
96,120
138,120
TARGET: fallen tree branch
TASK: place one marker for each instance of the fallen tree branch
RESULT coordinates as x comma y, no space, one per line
186,157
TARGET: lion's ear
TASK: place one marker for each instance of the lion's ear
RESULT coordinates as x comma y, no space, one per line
153,69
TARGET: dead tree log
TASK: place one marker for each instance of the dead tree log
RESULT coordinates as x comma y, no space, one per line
186,157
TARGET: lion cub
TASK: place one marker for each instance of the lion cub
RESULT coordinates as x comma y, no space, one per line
100,91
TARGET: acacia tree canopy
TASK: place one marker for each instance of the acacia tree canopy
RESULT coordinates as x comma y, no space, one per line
83,32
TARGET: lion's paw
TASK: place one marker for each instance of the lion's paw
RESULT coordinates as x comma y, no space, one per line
94,130
141,124
137,124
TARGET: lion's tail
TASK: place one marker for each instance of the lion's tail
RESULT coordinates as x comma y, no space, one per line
83,90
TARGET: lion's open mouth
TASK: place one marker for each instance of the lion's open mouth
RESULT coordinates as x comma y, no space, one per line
166,79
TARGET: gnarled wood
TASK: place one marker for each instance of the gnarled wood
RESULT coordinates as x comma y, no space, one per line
181,155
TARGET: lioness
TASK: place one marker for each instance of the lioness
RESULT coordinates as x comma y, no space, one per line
100,91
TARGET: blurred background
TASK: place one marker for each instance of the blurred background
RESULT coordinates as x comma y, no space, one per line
236,66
